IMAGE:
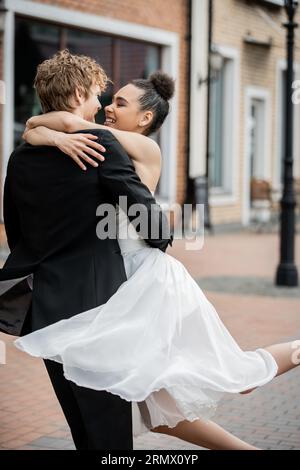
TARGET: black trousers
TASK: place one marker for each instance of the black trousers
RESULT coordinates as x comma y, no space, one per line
98,420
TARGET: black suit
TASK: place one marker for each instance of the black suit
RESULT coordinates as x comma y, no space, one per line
50,218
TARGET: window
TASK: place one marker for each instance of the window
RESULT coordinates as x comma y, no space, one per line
258,151
220,133
216,154
40,41
122,59
257,138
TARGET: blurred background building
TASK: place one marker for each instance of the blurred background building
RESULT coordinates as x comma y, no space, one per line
242,116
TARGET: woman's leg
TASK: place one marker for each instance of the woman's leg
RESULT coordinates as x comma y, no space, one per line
287,356
205,434
212,436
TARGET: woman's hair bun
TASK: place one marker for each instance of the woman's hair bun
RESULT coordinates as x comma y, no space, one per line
163,84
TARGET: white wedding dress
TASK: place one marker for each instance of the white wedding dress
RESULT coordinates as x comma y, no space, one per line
158,342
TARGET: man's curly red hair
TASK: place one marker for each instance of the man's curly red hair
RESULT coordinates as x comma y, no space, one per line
58,77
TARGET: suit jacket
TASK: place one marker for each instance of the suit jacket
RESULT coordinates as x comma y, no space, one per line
50,219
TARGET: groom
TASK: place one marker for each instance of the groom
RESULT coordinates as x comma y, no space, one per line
50,220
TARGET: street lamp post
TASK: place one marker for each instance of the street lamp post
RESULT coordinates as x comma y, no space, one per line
287,274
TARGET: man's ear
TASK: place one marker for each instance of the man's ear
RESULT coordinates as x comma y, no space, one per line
78,97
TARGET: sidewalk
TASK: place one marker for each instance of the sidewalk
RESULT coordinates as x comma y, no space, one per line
236,272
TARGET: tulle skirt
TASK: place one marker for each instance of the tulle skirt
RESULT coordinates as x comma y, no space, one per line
158,342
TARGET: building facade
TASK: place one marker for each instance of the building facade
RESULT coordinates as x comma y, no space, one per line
131,38
247,104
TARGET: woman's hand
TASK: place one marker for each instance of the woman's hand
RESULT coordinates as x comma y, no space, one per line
31,123
80,147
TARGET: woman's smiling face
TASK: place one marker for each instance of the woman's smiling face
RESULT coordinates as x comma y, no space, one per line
124,113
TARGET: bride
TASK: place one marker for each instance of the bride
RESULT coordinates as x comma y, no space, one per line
158,342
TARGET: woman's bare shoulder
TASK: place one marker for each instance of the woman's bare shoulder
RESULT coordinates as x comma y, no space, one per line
153,151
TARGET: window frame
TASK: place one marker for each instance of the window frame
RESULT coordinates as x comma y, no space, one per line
264,95
229,197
